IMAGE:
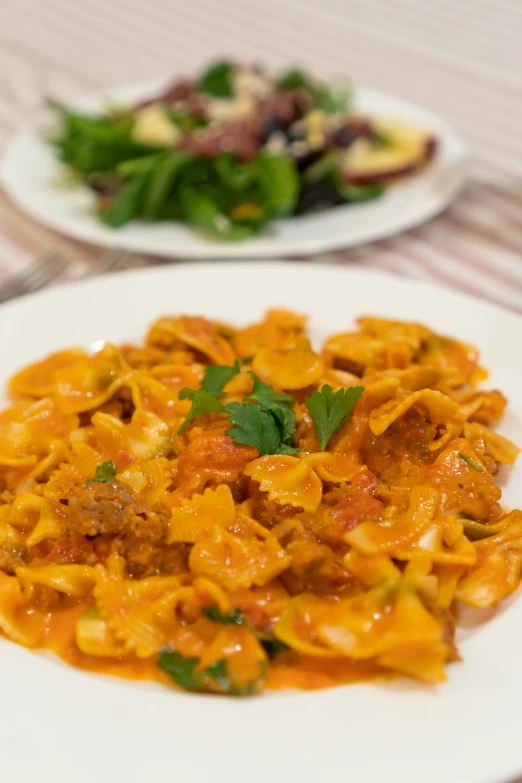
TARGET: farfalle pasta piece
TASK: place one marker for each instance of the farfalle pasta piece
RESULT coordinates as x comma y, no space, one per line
288,480
36,516
277,327
291,365
297,481
90,381
149,480
74,580
413,334
497,571
18,620
486,441
32,432
132,608
198,518
233,562
196,332
146,436
37,379
93,637
358,353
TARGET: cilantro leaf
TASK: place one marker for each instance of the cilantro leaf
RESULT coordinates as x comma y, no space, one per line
202,402
234,617
253,427
217,376
105,473
329,410
183,672
265,396
471,463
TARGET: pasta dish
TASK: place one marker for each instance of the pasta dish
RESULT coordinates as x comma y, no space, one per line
227,509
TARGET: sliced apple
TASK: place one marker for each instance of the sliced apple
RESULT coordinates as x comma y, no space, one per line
407,148
153,127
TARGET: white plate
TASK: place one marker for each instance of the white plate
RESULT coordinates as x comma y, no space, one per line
31,177
59,724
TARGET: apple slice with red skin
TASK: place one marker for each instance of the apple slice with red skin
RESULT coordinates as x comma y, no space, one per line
405,149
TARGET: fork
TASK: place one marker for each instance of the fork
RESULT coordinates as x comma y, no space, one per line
49,267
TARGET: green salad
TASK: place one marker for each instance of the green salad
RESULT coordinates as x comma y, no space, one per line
233,149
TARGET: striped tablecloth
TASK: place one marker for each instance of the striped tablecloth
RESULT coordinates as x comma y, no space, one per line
460,58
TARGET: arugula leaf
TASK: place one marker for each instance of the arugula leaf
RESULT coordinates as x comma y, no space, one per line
291,80
183,672
105,473
217,80
265,395
329,410
271,645
471,463
234,617
253,427
217,376
202,402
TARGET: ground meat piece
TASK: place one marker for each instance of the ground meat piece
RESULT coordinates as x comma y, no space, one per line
279,111
212,458
111,509
237,137
147,559
179,91
72,549
354,504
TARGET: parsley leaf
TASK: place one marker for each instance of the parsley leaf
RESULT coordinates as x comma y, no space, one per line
471,463
217,376
279,406
202,402
265,396
253,427
183,672
329,410
234,617
105,473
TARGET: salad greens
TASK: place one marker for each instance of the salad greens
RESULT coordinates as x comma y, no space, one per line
225,152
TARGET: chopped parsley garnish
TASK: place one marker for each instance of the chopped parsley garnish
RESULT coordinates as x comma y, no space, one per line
202,402
268,426
330,410
183,671
471,463
217,376
105,473
253,427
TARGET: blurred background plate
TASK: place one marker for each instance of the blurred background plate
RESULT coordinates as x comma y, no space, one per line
33,179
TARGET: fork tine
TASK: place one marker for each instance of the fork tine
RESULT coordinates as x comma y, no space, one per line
35,276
